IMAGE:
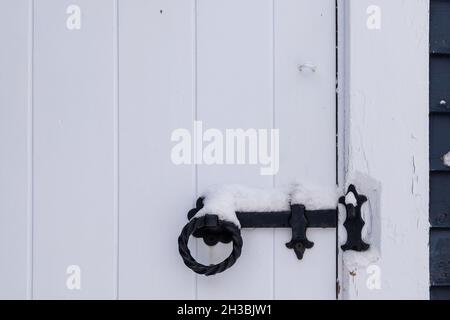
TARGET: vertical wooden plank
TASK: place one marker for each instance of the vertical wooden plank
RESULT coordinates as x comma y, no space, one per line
342,27
235,90
15,142
305,112
156,97
74,129
386,118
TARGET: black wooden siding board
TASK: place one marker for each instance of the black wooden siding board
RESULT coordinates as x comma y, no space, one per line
440,82
439,146
440,199
440,26
440,253
439,141
440,293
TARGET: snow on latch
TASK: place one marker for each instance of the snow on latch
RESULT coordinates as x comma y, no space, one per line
446,159
225,200
351,199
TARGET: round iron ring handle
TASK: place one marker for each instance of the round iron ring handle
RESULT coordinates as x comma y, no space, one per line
198,223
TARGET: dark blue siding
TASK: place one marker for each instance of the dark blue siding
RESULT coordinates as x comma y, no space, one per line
440,200
440,26
439,146
440,293
440,262
439,140
439,83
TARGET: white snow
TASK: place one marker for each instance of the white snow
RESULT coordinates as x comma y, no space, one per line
226,200
446,159
351,199
354,260
314,198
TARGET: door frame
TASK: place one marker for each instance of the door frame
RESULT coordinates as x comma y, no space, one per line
383,145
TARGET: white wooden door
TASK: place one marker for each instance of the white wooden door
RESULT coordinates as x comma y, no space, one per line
103,97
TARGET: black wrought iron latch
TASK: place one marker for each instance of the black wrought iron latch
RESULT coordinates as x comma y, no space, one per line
213,230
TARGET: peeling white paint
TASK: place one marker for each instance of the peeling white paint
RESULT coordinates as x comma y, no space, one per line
358,260
386,137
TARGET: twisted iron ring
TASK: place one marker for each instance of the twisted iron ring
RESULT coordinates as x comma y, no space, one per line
197,224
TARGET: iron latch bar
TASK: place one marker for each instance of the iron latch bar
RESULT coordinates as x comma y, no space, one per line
212,230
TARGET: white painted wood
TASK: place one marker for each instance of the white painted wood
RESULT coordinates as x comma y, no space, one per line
156,97
15,151
303,106
387,140
341,27
305,113
74,150
235,90
106,196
